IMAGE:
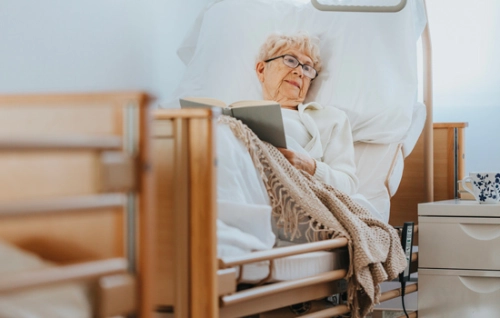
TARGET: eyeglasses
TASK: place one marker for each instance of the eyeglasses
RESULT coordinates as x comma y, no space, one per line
291,61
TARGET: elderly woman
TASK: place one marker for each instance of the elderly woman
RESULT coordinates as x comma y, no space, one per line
319,137
313,202
319,140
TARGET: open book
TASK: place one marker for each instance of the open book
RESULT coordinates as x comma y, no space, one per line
261,116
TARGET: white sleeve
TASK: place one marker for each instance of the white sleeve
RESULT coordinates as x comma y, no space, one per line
337,166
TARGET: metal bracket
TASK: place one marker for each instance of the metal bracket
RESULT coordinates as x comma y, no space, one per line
358,8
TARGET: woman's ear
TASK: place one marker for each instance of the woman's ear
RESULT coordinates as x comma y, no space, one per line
259,68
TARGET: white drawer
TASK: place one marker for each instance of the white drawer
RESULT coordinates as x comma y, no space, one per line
459,243
458,293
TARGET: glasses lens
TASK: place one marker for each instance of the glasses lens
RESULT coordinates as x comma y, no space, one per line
309,71
290,61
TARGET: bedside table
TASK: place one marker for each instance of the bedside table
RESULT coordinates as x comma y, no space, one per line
459,259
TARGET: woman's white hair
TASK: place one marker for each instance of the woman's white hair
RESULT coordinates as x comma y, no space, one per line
277,43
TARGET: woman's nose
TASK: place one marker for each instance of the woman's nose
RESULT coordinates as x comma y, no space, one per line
299,71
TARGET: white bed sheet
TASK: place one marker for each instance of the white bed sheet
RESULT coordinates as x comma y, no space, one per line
60,301
296,266
380,166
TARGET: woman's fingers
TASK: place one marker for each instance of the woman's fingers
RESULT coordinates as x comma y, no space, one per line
299,161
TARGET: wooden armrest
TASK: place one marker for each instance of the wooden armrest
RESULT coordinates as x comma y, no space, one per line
226,281
116,295
279,252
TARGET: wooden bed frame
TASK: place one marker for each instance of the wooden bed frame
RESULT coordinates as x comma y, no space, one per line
191,281
76,176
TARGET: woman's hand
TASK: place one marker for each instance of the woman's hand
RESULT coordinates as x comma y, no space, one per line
299,161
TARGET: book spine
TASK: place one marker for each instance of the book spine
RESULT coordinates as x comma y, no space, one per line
227,111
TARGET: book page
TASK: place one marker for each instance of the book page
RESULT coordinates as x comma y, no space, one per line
250,103
204,101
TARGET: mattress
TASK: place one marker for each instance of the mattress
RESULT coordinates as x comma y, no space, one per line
296,266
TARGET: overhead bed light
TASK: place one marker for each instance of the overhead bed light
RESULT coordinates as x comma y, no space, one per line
337,5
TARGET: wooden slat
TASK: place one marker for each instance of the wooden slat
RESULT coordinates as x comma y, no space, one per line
461,153
162,128
61,274
410,315
166,220
443,163
181,278
203,216
146,213
451,125
451,147
270,289
282,252
67,204
117,172
66,114
60,142
391,294
281,299
191,113
65,99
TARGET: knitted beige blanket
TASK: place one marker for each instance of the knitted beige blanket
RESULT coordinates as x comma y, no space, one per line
375,250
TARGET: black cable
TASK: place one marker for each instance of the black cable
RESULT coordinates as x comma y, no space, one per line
407,244
403,287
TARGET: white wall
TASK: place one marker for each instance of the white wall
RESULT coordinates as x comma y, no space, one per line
51,46
58,45
172,20
93,45
466,51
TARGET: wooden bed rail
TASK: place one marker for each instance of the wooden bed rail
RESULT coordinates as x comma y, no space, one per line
263,291
60,142
65,204
279,252
62,274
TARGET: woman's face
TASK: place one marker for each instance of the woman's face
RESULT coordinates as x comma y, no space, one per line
288,86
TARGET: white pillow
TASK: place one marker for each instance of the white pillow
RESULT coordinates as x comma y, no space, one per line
369,59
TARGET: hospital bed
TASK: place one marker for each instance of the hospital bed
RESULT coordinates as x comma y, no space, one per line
192,280
75,205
